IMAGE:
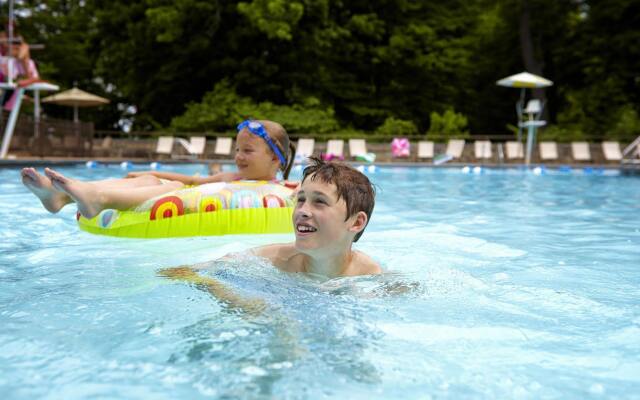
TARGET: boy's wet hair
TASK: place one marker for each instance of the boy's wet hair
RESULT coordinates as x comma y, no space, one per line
351,185
279,135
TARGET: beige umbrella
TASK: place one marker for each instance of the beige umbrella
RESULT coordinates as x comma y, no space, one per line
524,80
76,98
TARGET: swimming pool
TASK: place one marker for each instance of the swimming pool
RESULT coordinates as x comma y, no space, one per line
502,284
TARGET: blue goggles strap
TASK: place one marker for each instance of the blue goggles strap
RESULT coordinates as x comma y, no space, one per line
257,129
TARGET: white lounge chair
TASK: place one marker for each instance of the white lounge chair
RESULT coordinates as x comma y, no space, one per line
482,149
514,150
425,149
455,148
548,151
580,151
611,151
223,146
335,147
357,147
304,150
198,144
194,147
164,145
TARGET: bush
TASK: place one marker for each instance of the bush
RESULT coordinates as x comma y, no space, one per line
309,117
449,125
397,127
222,108
216,111
559,133
625,126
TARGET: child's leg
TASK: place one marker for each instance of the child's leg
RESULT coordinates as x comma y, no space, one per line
139,181
53,200
92,198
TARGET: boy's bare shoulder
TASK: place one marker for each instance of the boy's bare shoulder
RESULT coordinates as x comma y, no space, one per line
364,265
282,255
274,250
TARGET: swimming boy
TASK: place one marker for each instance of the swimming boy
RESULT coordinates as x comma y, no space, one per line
334,205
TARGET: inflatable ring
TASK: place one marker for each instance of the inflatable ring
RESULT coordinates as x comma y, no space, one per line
213,209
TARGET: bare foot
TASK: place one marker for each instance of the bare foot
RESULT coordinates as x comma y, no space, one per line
52,199
85,194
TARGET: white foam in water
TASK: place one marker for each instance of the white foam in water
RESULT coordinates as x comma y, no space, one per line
442,334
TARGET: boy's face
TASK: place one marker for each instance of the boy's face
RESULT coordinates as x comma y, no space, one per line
253,157
319,218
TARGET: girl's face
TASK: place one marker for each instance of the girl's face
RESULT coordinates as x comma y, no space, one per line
254,159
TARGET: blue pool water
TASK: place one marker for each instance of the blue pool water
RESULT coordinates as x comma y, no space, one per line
503,284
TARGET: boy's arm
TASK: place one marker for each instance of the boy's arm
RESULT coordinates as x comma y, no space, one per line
216,288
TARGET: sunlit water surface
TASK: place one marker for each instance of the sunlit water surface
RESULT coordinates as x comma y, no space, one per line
505,284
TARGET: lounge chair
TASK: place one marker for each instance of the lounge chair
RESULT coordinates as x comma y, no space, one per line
455,148
425,149
198,144
357,147
195,146
358,151
482,149
223,146
580,151
514,150
548,151
304,150
335,149
611,151
104,148
164,145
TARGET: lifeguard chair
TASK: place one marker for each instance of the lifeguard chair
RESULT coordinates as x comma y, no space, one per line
11,66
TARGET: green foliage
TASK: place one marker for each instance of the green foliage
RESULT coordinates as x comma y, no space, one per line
218,110
222,108
625,126
363,61
397,127
276,18
449,125
561,134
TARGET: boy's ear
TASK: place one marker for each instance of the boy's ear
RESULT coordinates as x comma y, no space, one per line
359,222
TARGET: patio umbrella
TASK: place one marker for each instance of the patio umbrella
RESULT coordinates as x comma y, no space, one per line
524,80
76,98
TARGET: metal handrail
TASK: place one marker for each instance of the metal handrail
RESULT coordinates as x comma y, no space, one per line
631,147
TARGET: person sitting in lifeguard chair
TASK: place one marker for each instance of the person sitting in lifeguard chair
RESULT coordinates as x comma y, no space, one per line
16,65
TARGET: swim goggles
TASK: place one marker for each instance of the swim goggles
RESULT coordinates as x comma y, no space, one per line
257,129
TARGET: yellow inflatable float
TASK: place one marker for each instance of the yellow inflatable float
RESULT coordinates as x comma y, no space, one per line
224,208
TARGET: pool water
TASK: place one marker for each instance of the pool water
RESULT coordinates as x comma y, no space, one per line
499,284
